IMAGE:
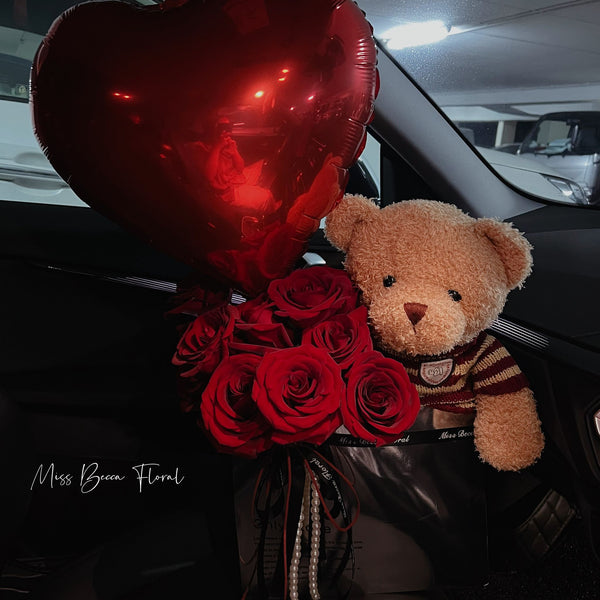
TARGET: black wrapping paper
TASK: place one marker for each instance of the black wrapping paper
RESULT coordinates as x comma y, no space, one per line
422,519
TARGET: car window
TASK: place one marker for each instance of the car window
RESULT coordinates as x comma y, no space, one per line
520,80
549,134
15,74
25,173
370,161
565,133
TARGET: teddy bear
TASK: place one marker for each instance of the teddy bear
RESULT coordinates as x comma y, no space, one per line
433,280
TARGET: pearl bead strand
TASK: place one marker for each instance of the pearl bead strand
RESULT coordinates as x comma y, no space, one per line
309,509
297,553
315,544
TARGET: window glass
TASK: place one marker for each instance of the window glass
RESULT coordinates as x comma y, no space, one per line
547,134
567,133
25,173
15,75
371,160
520,80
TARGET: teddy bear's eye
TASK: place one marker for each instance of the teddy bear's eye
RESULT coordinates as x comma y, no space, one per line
389,281
455,295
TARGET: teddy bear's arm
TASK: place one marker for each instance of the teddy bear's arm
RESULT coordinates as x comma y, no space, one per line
508,435
508,432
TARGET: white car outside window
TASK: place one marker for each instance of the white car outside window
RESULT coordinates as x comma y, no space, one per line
26,175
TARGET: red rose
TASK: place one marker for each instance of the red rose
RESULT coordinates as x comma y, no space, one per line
381,402
259,338
197,300
257,331
343,336
257,310
298,391
229,413
205,342
309,296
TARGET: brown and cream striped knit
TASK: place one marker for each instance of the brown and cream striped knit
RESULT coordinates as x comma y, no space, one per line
451,381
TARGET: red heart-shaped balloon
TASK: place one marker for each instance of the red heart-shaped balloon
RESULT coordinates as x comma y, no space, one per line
218,131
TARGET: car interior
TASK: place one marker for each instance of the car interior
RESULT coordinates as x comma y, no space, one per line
85,378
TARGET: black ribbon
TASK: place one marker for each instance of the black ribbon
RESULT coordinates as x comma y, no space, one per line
269,508
432,436
330,489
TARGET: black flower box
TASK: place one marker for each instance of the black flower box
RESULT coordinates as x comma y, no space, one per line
422,520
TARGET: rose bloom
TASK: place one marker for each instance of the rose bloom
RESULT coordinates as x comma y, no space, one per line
298,391
257,310
205,342
259,338
197,300
381,402
342,336
309,296
229,414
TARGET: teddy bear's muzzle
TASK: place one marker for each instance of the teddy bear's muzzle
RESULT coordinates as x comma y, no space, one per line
417,319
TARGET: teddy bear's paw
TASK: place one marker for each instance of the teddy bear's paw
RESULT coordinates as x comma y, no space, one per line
508,434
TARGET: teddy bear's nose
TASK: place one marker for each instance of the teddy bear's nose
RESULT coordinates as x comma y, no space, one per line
415,311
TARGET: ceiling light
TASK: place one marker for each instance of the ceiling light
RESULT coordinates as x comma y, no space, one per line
415,34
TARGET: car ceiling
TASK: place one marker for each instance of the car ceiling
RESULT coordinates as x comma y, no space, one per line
522,57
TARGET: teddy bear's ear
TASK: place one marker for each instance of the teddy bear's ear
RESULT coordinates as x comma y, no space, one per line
512,247
341,222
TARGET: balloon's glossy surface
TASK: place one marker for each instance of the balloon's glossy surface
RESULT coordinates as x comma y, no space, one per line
220,132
